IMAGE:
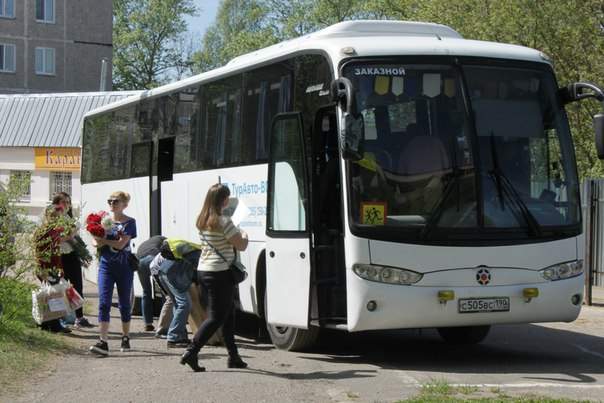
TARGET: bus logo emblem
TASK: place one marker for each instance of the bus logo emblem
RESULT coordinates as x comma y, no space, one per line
483,276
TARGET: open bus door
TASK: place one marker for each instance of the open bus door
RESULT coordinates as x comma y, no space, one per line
288,263
163,172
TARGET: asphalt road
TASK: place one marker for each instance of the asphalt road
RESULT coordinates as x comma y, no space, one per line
556,360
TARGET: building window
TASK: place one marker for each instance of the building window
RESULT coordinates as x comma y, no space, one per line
7,8
45,10
7,58
24,179
45,61
60,182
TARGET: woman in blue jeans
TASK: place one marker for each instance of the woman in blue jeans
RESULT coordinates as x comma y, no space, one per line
176,276
114,269
219,236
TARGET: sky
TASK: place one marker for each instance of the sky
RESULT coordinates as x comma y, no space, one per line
207,13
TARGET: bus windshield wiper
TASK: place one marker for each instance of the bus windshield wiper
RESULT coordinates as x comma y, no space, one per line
504,185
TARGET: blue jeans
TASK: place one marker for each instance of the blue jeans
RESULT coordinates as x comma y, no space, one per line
180,312
144,276
110,276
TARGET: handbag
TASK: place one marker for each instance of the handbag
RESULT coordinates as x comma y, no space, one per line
236,269
132,261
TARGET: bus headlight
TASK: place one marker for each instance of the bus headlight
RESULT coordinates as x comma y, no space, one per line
383,274
563,270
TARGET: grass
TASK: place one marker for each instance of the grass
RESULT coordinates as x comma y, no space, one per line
440,391
24,348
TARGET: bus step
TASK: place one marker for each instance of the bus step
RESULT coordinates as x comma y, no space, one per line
330,323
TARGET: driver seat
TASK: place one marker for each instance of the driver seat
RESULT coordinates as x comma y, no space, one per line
423,155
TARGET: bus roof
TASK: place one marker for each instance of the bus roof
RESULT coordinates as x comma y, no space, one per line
361,38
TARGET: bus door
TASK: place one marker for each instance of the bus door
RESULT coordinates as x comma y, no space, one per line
288,240
165,171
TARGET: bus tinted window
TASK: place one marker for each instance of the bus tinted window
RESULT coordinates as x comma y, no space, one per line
268,91
107,137
186,105
222,113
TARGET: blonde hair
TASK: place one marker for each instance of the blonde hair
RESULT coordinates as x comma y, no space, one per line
122,196
209,215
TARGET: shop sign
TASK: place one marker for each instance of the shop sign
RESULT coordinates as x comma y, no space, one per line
58,158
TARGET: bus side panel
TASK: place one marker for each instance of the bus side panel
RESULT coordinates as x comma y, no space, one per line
183,197
94,198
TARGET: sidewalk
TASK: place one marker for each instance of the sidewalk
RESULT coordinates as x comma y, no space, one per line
597,296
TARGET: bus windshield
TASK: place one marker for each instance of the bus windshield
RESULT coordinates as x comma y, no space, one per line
462,150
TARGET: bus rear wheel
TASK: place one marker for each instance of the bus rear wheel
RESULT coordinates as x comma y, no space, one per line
464,335
291,338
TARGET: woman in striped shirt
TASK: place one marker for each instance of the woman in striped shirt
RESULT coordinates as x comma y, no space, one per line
218,236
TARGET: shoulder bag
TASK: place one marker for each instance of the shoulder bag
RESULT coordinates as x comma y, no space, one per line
236,269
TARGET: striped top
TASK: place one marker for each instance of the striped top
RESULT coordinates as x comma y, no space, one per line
210,260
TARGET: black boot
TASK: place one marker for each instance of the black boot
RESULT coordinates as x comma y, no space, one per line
190,358
236,362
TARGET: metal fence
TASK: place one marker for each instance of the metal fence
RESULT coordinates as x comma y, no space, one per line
593,220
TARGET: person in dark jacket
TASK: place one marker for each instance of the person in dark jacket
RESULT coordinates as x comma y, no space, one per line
145,253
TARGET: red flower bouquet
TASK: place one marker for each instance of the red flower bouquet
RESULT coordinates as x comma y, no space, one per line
98,223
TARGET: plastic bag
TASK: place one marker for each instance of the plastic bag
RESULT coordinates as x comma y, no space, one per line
50,302
76,301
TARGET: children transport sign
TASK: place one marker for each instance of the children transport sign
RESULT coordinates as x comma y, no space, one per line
57,158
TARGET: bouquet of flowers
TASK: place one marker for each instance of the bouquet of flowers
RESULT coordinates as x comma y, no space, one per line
99,224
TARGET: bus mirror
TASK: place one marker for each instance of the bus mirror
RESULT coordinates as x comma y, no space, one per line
599,131
351,137
577,91
341,92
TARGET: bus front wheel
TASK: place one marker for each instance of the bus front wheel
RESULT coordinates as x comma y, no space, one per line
464,335
291,338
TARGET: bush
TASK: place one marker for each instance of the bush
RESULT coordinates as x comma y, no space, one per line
15,298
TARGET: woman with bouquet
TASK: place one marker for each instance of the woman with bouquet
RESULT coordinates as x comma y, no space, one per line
47,239
114,267
73,253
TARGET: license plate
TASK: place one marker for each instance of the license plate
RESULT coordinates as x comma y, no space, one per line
474,305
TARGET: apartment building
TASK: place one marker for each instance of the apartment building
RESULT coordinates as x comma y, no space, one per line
54,45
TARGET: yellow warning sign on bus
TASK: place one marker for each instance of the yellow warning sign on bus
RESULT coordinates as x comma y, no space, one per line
373,213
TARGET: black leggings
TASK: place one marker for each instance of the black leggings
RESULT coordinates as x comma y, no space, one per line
72,271
220,293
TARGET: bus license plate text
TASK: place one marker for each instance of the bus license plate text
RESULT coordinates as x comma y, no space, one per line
474,305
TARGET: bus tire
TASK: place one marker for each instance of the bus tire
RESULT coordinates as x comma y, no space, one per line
291,338
464,335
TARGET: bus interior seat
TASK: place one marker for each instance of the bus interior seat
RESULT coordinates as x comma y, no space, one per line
423,154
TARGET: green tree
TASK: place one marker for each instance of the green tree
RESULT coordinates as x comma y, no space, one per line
570,32
14,226
146,38
240,27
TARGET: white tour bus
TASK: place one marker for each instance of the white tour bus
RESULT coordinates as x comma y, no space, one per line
389,174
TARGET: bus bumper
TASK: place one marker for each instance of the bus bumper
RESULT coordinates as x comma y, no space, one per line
403,307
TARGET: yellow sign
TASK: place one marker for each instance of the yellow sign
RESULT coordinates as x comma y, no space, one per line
57,158
373,213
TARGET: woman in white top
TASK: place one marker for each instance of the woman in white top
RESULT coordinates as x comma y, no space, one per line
219,236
